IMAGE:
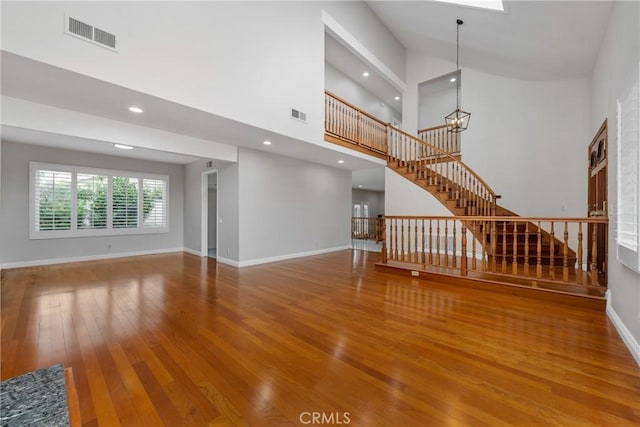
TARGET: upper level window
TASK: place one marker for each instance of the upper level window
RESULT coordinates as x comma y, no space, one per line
71,201
628,179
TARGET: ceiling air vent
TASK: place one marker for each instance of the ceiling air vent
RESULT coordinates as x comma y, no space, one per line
86,32
298,115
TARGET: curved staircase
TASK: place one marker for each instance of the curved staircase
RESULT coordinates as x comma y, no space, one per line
464,193
482,241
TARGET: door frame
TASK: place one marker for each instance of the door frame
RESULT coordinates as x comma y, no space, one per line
204,212
599,165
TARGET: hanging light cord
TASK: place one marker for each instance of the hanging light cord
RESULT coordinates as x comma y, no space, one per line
459,22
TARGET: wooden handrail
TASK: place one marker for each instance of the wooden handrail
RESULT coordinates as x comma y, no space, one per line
346,122
450,157
550,249
366,227
432,128
442,138
585,220
361,111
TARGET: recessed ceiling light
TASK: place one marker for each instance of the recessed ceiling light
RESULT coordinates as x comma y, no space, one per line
267,142
366,74
453,79
341,161
123,147
137,110
482,4
397,98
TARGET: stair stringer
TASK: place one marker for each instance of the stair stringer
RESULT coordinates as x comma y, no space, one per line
451,205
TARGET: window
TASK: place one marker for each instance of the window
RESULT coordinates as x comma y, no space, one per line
154,202
70,201
125,202
91,198
628,218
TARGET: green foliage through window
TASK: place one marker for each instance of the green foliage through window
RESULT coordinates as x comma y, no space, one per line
54,205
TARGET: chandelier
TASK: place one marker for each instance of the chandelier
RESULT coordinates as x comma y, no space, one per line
459,119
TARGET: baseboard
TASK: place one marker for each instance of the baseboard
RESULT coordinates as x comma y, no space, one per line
228,261
192,251
36,263
629,340
284,257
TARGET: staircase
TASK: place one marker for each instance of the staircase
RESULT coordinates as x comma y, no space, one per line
537,249
464,193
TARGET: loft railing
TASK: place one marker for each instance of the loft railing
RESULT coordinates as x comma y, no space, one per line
563,250
349,123
445,172
438,136
438,167
368,228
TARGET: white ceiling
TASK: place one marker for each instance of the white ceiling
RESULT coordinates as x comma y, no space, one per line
46,139
531,40
371,179
438,84
349,64
38,82
539,40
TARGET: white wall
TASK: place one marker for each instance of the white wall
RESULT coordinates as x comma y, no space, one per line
434,107
403,197
524,137
45,118
15,246
247,61
227,208
290,206
341,85
212,219
375,200
366,27
616,67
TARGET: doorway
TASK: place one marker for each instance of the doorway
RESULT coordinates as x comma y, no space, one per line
597,196
209,227
360,222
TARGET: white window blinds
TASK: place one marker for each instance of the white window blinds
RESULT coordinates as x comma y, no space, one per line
52,197
125,202
628,179
154,203
71,201
91,198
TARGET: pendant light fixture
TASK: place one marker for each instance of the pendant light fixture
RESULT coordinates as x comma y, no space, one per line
459,119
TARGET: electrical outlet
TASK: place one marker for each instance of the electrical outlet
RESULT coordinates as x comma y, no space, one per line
415,273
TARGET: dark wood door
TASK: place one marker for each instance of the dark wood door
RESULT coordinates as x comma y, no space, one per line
597,198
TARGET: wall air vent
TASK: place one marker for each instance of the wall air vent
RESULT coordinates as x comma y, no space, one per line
86,32
104,38
80,29
298,115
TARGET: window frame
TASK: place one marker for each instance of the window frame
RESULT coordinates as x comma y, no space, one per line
626,255
95,232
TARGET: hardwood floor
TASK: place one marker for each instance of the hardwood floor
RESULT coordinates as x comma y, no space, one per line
178,340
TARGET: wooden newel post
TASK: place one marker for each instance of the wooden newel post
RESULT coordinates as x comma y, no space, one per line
463,249
384,240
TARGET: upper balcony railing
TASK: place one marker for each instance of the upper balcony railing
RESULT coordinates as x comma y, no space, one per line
347,122
449,142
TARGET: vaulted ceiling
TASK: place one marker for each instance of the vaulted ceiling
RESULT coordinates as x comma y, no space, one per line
537,40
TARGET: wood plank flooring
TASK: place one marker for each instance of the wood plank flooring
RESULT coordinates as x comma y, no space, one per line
178,340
